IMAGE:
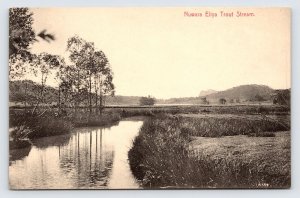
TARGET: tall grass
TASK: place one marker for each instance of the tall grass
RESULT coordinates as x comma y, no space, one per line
106,119
160,158
50,124
194,109
39,126
217,127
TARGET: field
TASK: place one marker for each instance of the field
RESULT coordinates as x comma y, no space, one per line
213,151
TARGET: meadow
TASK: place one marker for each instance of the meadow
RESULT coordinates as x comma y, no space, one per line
194,151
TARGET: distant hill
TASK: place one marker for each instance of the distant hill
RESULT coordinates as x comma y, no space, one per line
17,91
184,100
207,92
243,93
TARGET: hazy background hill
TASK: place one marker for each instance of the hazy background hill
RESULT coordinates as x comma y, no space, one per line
207,92
239,94
243,93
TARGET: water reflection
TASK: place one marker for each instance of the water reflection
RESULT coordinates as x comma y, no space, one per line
18,154
59,140
89,158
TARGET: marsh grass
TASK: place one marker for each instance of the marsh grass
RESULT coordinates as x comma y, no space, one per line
217,127
160,157
51,124
96,120
42,126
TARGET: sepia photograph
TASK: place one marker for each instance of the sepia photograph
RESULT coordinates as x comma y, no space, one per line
149,98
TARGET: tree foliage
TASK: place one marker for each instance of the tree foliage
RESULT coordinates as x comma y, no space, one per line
282,97
93,71
147,100
222,101
21,34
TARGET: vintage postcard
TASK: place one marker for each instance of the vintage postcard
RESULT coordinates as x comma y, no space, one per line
149,98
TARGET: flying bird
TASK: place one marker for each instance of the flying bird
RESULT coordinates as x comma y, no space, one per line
46,37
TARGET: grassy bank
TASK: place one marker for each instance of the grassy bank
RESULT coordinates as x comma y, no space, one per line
28,125
161,156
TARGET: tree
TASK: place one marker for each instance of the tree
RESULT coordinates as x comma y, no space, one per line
45,64
282,97
204,100
258,98
76,46
93,69
222,101
147,100
21,36
103,79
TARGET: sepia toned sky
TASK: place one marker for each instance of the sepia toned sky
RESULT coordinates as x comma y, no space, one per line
164,53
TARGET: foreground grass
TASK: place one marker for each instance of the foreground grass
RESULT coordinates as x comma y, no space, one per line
164,155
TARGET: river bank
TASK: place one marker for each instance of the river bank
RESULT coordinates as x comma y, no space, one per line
171,152
28,126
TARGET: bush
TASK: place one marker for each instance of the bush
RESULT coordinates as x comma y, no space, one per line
147,101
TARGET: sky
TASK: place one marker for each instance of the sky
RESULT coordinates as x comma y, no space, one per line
165,52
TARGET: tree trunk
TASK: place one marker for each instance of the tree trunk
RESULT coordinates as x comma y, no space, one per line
100,93
26,87
96,92
59,98
77,95
90,95
42,90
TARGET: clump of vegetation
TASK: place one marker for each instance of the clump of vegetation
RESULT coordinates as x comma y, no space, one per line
97,120
282,97
217,127
222,101
50,123
262,134
161,158
147,101
41,125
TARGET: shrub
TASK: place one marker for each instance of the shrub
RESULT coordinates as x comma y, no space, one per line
147,101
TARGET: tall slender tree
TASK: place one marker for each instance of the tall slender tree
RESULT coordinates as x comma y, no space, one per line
79,49
46,64
93,69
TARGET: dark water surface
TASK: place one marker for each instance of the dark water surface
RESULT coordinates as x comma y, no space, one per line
88,158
